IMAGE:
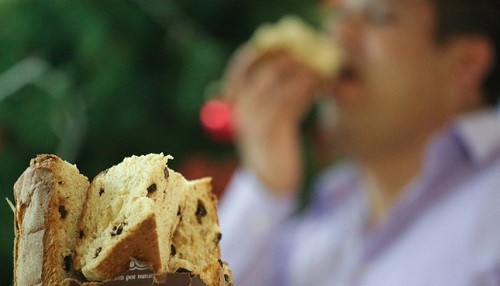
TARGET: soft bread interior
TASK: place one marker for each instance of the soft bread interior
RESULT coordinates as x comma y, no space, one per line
195,243
120,200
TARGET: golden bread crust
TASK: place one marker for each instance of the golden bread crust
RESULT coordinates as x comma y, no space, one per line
41,217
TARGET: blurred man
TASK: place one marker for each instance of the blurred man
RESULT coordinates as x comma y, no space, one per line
416,201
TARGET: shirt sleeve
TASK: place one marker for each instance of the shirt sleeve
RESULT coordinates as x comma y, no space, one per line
252,220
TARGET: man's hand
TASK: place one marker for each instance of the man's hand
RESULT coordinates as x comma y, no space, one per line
270,96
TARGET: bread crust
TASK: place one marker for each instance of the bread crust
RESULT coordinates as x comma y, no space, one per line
38,255
141,244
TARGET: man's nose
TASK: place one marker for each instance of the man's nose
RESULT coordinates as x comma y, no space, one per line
347,28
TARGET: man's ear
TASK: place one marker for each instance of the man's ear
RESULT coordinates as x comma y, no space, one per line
474,60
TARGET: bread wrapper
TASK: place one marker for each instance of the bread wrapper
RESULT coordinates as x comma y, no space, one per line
143,275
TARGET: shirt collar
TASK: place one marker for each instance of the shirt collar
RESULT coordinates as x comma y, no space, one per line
475,136
336,185
479,134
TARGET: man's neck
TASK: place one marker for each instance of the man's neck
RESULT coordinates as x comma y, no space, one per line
387,173
385,178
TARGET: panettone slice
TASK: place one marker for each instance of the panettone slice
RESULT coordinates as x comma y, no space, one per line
49,198
195,244
130,213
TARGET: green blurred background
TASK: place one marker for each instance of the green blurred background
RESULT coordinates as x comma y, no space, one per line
96,81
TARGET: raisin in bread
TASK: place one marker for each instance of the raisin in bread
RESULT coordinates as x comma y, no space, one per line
49,198
131,212
294,36
195,243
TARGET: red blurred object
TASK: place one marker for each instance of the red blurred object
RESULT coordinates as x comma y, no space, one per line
216,119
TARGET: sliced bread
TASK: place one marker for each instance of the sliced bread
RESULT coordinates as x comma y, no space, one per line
130,212
49,199
195,243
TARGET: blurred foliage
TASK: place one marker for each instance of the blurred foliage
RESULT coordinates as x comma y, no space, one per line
95,81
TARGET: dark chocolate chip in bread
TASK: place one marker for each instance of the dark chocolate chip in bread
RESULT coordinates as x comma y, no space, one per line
67,263
173,251
63,211
218,238
152,188
201,211
97,251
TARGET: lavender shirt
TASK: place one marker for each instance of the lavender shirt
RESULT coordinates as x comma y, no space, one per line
444,230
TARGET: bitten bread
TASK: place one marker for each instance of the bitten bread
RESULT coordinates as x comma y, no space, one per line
294,36
49,198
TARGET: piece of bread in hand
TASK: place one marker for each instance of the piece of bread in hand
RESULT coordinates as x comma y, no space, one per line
293,35
49,198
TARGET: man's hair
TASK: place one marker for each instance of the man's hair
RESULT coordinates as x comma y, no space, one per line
470,17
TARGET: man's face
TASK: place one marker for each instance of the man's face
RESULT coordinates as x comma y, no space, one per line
395,88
